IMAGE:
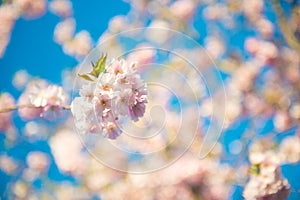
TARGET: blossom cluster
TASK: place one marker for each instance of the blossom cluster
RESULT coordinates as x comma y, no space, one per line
41,100
266,181
119,91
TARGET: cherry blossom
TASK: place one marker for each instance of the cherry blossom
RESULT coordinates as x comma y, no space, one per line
119,91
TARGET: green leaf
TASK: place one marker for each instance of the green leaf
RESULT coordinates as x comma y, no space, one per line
255,169
85,77
99,66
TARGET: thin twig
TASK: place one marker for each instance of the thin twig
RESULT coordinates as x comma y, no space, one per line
16,107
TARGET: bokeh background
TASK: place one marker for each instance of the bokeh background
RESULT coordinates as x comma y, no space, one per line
231,35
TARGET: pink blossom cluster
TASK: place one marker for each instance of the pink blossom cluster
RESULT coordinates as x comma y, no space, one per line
11,11
119,91
77,45
41,100
31,9
6,101
62,8
8,15
267,182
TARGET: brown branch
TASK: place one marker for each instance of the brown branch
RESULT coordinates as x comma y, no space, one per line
16,107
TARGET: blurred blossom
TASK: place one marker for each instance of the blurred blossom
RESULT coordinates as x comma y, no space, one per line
31,9
64,31
6,101
252,45
69,160
244,76
282,121
214,46
183,9
143,54
117,23
62,8
265,27
253,9
8,164
20,190
156,35
266,52
21,79
80,45
8,16
37,161
214,11
289,149
295,111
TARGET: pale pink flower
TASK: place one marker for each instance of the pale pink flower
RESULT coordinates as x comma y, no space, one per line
268,183
37,161
282,121
137,110
42,100
267,52
79,46
8,15
83,112
143,55
289,149
28,112
252,45
6,101
102,103
214,12
265,27
183,9
214,46
71,159
124,101
253,8
117,23
62,8
31,8
21,79
111,130
8,164
64,31
119,91
106,83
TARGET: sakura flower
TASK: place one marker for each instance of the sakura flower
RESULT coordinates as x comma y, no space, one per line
125,100
62,8
37,161
267,182
64,31
143,55
289,149
41,100
30,8
183,9
6,101
111,130
119,91
82,110
71,159
8,15
137,110
79,46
